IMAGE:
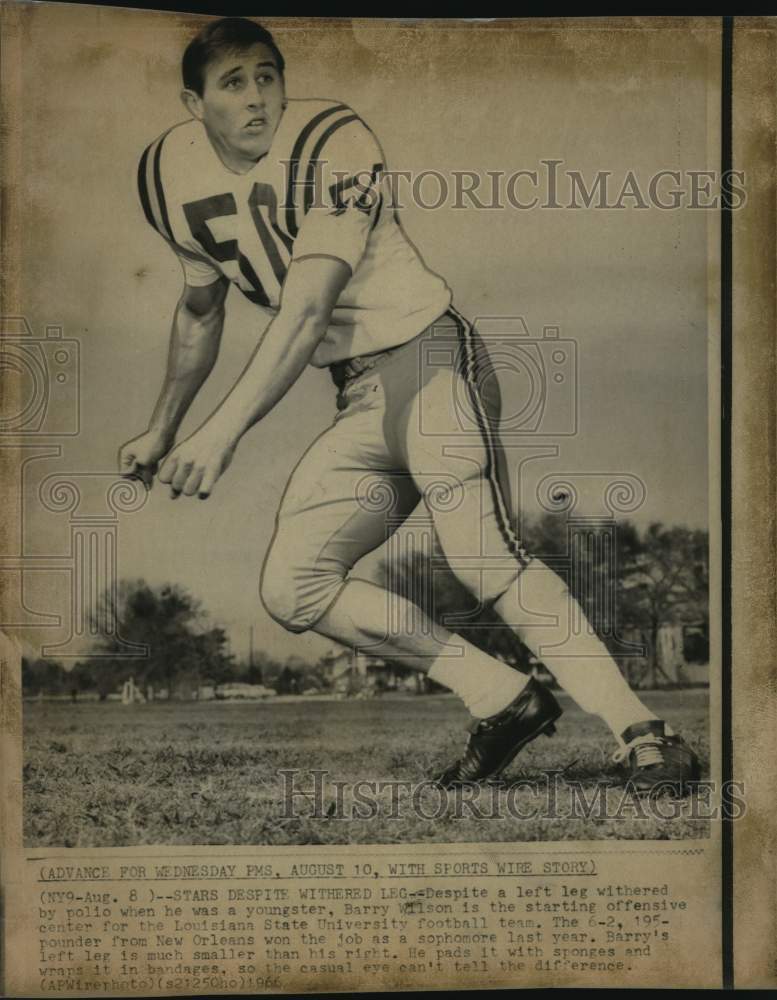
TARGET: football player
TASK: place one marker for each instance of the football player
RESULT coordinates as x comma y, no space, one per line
289,200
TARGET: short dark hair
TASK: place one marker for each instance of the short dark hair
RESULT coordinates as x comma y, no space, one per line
228,34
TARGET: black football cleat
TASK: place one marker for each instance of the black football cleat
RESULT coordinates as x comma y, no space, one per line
657,762
496,740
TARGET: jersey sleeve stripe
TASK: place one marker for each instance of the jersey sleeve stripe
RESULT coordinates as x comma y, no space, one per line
149,184
376,220
315,155
160,191
143,189
149,188
296,154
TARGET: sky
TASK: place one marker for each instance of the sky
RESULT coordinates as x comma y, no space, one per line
634,289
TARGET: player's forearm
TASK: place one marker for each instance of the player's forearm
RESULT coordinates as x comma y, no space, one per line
276,364
310,291
194,347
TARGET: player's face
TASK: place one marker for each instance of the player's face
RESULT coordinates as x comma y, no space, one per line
241,105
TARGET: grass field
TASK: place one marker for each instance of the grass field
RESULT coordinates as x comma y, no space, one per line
207,773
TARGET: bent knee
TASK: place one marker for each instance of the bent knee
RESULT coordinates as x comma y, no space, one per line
279,603
297,597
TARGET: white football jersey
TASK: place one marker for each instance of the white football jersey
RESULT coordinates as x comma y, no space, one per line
321,190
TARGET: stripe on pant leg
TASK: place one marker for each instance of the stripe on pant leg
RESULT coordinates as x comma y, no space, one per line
469,372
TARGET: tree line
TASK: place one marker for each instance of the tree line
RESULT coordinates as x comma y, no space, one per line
630,587
629,582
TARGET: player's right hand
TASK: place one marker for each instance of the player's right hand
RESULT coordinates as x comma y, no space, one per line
140,457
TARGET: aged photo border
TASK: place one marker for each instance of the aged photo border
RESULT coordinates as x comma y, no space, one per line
735,526
706,28
726,330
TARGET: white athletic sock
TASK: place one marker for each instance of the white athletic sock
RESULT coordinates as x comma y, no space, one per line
584,669
484,684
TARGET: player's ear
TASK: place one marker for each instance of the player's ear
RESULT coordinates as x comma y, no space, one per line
193,103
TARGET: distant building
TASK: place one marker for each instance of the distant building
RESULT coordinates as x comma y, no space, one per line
681,655
351,673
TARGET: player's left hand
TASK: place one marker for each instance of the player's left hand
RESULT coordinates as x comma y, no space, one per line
194,466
